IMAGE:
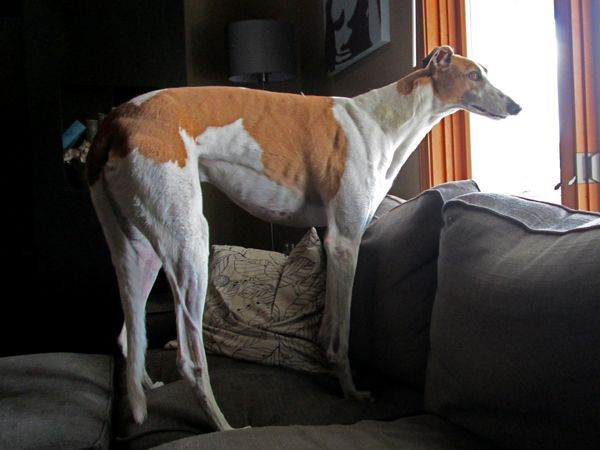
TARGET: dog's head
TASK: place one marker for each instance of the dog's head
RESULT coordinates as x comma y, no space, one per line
464,84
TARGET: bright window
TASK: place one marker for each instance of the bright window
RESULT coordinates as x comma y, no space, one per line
516,41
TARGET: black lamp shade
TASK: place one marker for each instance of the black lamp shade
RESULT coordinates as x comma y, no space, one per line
261,47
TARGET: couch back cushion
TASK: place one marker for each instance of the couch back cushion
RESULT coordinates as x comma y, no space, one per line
395,286
515,331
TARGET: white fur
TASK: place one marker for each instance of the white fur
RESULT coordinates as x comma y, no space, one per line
140,99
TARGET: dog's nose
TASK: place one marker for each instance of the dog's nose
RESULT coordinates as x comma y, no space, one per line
513,108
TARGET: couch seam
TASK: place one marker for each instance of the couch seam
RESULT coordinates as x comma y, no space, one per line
109,403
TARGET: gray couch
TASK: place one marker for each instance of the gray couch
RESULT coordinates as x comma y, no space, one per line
475,322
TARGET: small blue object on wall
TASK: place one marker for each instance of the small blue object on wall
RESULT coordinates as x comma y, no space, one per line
72,134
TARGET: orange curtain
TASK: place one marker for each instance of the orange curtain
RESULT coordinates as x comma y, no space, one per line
578,96
445,153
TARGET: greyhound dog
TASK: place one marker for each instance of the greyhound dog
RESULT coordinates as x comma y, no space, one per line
289,159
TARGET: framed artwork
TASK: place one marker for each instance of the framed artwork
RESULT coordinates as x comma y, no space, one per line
354,29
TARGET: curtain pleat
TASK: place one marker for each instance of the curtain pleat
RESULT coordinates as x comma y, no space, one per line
445,153
578,46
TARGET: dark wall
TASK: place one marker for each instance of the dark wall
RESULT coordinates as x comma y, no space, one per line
17,177
73,59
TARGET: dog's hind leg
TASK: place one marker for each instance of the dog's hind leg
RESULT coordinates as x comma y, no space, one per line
165,210
186,267
136,266
136,271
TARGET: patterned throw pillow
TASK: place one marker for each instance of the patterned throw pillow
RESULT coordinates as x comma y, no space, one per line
266,307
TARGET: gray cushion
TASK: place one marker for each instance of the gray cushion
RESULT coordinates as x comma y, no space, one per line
249,394
395,286
55,400
388,203
411,433
515,332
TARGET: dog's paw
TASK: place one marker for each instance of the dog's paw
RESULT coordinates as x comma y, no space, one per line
171,345
149,384
361,396
139,412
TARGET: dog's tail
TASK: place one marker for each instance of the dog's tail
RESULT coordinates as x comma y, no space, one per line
110,137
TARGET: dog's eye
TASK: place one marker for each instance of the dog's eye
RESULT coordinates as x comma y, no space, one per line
474,76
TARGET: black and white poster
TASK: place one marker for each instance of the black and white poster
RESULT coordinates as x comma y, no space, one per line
353,29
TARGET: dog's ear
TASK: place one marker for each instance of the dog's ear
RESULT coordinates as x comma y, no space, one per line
440,57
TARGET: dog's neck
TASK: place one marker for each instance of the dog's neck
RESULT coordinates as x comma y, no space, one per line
405,111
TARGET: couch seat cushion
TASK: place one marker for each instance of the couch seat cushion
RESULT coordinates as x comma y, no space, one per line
56,400
395,286
411,433
250,394
515,331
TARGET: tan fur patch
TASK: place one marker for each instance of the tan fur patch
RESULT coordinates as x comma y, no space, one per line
152,128
303,145
406,85
451,83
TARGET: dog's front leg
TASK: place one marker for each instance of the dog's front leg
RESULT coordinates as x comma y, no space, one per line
342,255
